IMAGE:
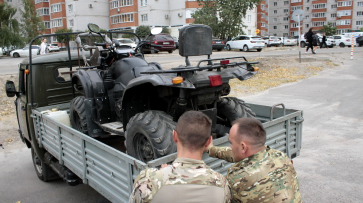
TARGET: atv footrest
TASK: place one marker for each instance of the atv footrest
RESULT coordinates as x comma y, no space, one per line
114,127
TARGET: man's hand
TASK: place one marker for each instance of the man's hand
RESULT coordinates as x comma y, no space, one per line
163,165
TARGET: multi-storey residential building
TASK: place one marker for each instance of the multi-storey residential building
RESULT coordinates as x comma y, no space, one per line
346,15
262,18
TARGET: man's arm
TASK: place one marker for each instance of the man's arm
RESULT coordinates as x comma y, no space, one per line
143,190
224,153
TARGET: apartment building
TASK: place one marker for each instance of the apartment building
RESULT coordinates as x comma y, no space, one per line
262,18
346,15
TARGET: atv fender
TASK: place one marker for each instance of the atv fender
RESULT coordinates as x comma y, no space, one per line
91,82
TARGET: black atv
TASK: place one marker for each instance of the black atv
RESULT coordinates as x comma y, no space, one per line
125,95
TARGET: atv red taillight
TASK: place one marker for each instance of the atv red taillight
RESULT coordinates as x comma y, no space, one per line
224,62
215,80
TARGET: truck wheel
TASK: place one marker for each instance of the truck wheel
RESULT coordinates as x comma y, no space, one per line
44,172
149,135
78,114
231,108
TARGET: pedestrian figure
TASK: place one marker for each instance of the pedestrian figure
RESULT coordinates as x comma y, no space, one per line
43,46
260,174
315,42
188,178
309,38
323,42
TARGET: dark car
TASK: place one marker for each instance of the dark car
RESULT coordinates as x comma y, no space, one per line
176,43
217,44
165,40
360,41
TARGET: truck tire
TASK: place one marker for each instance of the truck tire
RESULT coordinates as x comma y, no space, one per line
43,171
78,114
149,135
232,109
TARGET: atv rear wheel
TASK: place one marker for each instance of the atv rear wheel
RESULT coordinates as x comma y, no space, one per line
149,135
230,109
43,171
78,114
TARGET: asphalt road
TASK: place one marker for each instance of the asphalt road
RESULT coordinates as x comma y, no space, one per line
330,164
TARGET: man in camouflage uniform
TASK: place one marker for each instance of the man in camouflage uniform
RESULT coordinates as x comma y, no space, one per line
260,174
188,179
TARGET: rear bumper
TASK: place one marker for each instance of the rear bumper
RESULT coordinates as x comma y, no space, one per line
217,46
260,46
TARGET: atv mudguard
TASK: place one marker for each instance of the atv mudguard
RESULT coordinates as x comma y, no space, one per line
91,82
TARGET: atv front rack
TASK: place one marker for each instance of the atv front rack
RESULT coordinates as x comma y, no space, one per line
224,63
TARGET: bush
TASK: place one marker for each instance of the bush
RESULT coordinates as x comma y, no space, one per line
143,30
165,30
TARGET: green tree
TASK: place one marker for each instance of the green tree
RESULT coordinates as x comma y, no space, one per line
361,29
329,29
165,30
63,38
9,27
143,30
32,25
224,16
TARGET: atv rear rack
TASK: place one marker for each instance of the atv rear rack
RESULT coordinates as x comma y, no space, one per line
217,66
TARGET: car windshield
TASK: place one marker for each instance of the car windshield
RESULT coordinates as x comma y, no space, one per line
273,37
164,37
54,44
125,41
256,38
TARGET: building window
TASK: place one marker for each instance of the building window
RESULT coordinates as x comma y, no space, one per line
123,18
57,23
70,7
333,6
319,6
123,3
307,17
333,15
113,4
55,39
360,3
10,0
344,13
262,15
71,23
295,1
43,11
286,2
334,24
343,22
144,18
249,18
39,1
263,7
249,32
307,8
262,33
47,24
275,19
275,11
285,34
56,8
286,10
318,24
286,18
293,8
143,2
262,24
286,27
318,15
307,25
360,13
275,27
292,33
275,3
359,22
294,25
344,3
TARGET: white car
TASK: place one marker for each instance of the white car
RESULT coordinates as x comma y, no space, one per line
287,41
330,41
343,41
1,52
125,41
245,43
52,47
25,51
271,41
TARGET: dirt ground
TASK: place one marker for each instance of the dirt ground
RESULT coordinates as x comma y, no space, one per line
273,72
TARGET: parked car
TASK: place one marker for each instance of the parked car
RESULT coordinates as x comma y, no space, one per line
217,44
176,43
285,41
163,39
126,41
360,41
245,43
52,47
271,41
330,41
25,51
1,52
342,41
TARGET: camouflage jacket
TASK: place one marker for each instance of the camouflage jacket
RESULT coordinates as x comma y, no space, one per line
267,176
183,181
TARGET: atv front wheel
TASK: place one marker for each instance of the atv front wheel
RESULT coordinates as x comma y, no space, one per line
149,135
78,114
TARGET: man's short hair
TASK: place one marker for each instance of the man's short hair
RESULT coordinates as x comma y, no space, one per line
194,129
252,129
